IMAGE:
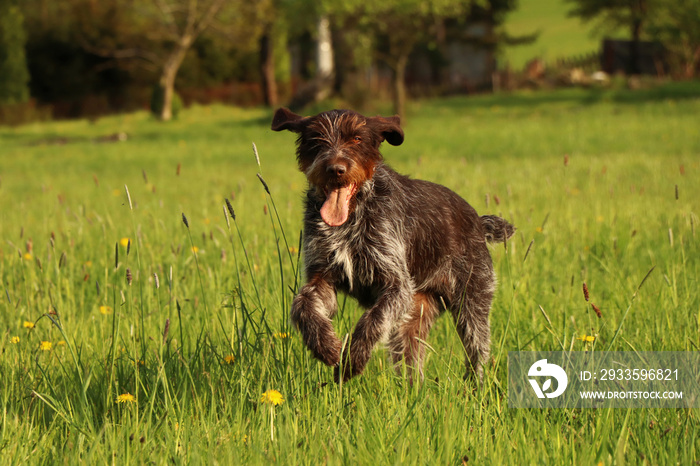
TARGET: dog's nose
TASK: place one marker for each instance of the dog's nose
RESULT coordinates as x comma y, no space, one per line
336,169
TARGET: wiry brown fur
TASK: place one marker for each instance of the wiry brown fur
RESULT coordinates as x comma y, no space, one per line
408,249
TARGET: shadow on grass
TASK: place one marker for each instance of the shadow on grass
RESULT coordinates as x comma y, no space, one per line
677,91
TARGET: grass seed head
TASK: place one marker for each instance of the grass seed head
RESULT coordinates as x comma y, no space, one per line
230,210
585,292
128,196
184,220
597,310
263,183
129,277
255,152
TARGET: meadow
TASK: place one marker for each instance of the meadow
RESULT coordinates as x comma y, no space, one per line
143,323
560,36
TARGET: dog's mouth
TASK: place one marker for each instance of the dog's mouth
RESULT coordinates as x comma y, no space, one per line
336,208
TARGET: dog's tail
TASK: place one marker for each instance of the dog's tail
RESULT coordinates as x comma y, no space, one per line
497,229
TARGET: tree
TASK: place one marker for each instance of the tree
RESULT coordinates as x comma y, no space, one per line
396,26
14,75
157,33
676,24
632,14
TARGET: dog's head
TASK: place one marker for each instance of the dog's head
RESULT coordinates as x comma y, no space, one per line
338,151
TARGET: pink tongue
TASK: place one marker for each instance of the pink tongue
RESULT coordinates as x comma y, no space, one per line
335,210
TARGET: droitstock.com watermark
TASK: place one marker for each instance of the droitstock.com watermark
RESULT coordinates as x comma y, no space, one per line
598,379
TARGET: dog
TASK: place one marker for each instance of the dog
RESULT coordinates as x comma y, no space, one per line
406,249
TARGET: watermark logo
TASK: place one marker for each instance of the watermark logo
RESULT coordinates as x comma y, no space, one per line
541,369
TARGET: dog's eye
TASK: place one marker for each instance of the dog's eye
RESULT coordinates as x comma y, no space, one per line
357,139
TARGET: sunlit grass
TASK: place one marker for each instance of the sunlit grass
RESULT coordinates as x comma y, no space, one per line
176,365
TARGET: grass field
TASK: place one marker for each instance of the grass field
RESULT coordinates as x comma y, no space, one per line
560,36
602,186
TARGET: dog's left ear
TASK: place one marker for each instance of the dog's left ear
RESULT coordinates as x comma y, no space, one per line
389,127
286,119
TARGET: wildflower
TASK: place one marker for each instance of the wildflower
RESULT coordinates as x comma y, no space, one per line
28,324
125,398
14,340
586,338
230,359
124,241
282,335
272,397
105,310
195,249
293,250
27,256
45,346
538,229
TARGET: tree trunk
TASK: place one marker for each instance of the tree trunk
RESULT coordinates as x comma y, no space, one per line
400,85
168,75
634,67
267,69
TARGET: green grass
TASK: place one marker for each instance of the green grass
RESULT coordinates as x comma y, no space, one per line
603,218
560,36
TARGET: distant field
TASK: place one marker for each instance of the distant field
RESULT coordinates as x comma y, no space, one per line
560,35
128,337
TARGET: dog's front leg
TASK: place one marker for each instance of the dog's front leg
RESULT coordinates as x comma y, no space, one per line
312,311
375,325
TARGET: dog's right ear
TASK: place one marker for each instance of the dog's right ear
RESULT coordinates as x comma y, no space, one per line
286,119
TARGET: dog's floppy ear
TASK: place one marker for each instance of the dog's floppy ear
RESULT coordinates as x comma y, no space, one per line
389,127
286,119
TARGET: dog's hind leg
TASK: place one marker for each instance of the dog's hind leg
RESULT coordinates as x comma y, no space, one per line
470,311
408,340
312,311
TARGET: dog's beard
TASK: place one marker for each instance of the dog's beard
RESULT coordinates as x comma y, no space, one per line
336,208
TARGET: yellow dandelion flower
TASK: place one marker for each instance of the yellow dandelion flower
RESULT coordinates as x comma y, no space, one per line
194,249
586,338
124,241
293,250
116,192
125,398
207,221
14,340
27,256
45,346
282,335
61,343
87,264
272,397
105,310
28,324
230,359
538,229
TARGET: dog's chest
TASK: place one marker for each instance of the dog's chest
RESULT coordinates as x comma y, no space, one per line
346,252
